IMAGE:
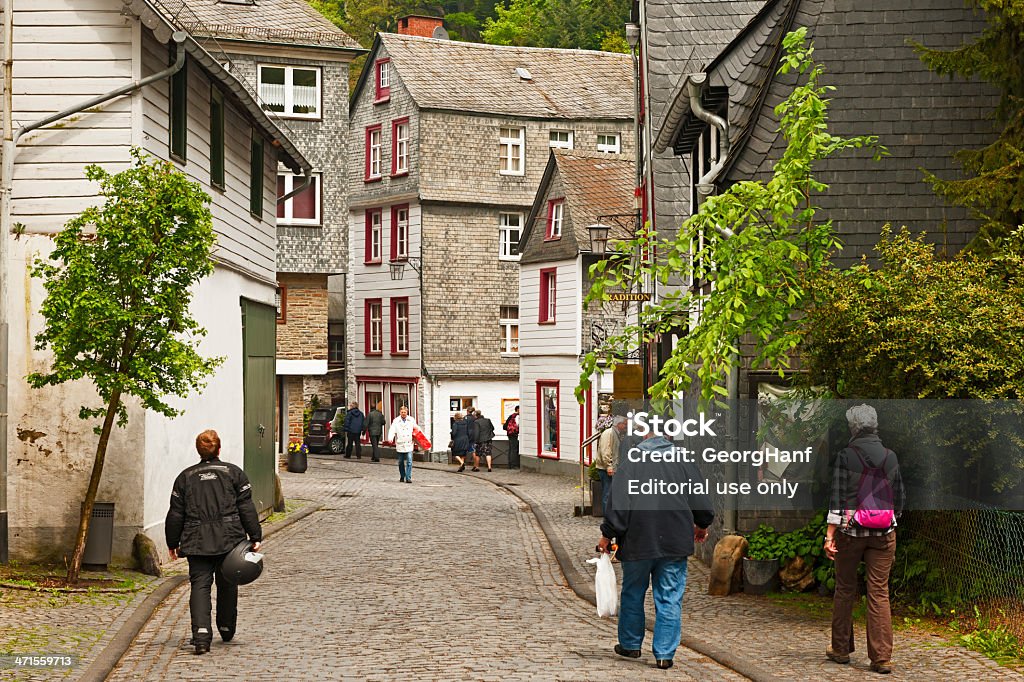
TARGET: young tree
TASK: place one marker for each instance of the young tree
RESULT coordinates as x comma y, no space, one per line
993,186
118,289
755,241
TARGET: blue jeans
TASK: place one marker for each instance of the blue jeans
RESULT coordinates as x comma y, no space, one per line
606,489
668,577
405,465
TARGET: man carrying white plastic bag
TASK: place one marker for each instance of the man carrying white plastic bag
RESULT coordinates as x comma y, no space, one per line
654,541
604,586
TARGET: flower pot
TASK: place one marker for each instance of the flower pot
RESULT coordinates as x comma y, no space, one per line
297,462
760,576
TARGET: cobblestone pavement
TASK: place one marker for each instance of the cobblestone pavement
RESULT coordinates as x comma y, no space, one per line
783,641
449,578
66,624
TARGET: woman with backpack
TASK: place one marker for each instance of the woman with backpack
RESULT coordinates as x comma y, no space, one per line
867,498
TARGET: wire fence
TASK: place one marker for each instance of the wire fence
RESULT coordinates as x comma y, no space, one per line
950,562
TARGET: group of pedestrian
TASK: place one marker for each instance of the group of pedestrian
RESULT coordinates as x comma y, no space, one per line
472,435
653,546
354,424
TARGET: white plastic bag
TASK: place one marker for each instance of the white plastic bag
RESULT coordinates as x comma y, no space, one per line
604,586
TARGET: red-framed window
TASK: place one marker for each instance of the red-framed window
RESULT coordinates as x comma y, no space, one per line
373,327
400,232
400,147
374,236
547,419
374,138
382,80
548,295
556,218
400,326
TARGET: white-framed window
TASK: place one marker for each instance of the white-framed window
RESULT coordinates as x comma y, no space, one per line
508,323
374,235
292,91
510,229
556,213
400,232
375,326
304,207
384,74
400,320
608,143
373,142
512,151
560,139
401,148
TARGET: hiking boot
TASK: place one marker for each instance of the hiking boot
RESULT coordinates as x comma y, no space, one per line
841,659
881,668
628,653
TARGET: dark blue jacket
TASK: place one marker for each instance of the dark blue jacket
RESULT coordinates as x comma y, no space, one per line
460,437
354,421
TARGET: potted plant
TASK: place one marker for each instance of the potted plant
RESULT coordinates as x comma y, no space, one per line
297,460
596,491
761,565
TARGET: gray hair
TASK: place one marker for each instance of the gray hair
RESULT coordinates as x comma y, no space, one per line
862,418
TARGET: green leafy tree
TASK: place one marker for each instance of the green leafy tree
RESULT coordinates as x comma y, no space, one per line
584,24
118,289
993,188
756,242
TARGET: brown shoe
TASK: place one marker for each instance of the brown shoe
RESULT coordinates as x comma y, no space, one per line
881,668
841,659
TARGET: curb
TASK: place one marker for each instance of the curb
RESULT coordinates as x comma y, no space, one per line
110,656
583,586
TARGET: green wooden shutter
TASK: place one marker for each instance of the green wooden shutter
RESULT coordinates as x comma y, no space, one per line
256,163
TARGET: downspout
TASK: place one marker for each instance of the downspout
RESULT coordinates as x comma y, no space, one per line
306,179
705,187
10,148
8,110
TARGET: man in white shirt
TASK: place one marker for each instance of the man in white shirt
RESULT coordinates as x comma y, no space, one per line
401,433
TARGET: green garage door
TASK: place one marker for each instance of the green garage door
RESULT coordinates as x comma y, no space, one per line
259,329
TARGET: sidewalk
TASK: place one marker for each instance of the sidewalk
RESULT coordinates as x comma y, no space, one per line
768,640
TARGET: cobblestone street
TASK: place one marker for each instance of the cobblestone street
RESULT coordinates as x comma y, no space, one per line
448,578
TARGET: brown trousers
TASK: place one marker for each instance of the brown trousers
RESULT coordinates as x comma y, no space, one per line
877,552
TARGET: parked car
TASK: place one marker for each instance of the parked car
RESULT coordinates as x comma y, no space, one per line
319,437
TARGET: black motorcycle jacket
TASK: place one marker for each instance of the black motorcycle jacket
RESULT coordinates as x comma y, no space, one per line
211,510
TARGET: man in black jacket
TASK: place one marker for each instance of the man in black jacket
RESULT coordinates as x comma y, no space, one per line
211,512
355,424
654,540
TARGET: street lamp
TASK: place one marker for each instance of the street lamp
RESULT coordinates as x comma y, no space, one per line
397,267
598,238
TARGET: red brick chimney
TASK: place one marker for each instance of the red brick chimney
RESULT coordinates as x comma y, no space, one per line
416,25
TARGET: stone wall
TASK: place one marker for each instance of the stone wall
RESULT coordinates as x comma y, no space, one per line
303,334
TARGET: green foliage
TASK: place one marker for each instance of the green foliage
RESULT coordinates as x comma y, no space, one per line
918,326
756,241
584,24
307,413
993,188
118,289
994,640
805,542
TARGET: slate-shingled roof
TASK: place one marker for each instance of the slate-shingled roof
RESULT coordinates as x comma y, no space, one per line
594,185
473,77
278,21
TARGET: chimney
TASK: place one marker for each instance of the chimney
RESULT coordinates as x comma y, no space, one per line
416,25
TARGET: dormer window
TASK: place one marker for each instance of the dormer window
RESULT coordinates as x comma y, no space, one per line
382,75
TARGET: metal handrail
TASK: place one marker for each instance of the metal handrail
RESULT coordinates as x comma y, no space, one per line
583,470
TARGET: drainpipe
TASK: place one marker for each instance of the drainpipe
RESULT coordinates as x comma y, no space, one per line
10,148
705,187
306,179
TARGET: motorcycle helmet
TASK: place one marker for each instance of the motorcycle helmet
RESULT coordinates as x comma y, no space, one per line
241,566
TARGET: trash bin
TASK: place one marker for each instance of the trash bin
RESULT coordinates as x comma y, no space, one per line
100,541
